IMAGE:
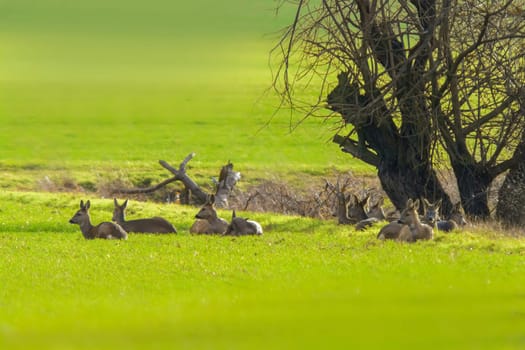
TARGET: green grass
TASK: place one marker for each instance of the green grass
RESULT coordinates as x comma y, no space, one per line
304,284
117,85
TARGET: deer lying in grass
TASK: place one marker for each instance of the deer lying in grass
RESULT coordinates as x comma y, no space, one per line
432,217
409,228
151,225
458,215
105,230
374,214
413,229
351,210
341,211
207,220
241,227
376,210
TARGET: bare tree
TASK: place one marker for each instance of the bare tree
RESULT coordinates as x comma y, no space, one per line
414,78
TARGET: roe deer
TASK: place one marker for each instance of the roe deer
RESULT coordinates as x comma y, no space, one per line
432,216
374,214
390,231
350,209
431,212
151,225
207,220
107,230
413,228
376,210
458,215
241,226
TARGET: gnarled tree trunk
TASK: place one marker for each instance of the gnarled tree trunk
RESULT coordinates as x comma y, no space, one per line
473,184
400,155
511,197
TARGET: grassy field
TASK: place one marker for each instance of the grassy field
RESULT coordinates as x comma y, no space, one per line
92,91
304,284
118,85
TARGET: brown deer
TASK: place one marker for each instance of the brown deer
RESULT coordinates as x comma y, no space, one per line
390,230
432,217
151,225
458,215
413,229
431,212
374,214
105,230
241,227
409,227
350,209
376,210
207,220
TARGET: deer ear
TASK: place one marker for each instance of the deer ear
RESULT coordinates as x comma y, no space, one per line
426,203
115,202
409,203
81,204
212,199
88,204
233,214
125,204
438,203
416,204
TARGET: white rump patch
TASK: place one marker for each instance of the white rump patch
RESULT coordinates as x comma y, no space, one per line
257,226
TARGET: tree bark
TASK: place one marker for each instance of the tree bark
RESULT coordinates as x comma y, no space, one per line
473,184
510,209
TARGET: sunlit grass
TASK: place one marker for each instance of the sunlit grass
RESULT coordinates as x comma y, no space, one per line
303,284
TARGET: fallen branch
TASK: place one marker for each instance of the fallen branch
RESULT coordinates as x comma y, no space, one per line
227,180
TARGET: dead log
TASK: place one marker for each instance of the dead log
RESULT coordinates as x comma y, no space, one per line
189,184
227,180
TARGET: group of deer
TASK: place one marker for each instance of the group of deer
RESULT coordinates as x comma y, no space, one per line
409,227
207,222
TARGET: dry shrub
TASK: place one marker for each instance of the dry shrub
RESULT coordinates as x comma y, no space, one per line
315,200
111,188
60,184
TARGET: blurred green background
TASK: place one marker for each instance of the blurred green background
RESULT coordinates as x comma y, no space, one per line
133,81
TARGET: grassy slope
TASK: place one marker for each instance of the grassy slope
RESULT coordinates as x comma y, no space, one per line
114,85
304,284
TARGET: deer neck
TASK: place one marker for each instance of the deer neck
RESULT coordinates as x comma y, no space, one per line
87,228
416,223
120,218
214,220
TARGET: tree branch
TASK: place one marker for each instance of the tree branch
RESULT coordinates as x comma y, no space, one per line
147,189
357,151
